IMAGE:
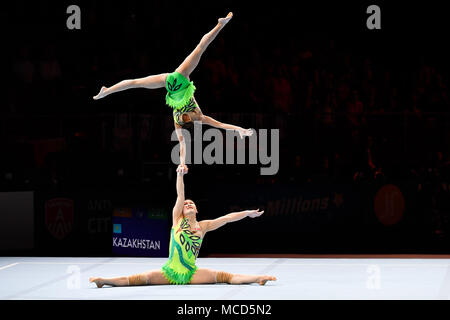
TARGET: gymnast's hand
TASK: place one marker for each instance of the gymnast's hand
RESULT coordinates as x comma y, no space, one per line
254,213
245,133
182,169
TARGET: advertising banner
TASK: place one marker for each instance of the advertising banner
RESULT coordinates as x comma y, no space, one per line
306,208
140,232
80,223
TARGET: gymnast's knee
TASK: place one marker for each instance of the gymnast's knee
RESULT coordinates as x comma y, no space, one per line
223,277
138,280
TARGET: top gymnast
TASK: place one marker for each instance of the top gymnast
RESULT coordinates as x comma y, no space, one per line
180,90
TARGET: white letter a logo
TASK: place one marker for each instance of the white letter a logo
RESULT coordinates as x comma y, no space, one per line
74,21
374,20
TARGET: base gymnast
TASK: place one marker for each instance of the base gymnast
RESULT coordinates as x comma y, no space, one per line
185,240
180,90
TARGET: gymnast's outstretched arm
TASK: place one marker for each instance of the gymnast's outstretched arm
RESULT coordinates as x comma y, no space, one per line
217,124
179,132
178,208
150,82
210,225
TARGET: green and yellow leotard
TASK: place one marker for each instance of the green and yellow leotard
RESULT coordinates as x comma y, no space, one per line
180,95
183,251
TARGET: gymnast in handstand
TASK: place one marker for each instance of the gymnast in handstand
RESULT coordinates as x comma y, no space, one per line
180,91
185,241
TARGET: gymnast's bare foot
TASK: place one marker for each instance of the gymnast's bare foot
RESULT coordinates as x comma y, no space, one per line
224,21
101,94
263,279
98,281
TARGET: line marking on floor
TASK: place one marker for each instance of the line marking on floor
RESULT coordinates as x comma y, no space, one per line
9,266
240,264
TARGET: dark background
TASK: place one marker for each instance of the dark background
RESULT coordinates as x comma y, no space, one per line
358,111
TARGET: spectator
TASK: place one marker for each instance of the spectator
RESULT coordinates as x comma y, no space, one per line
24,74
282,90
355,109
